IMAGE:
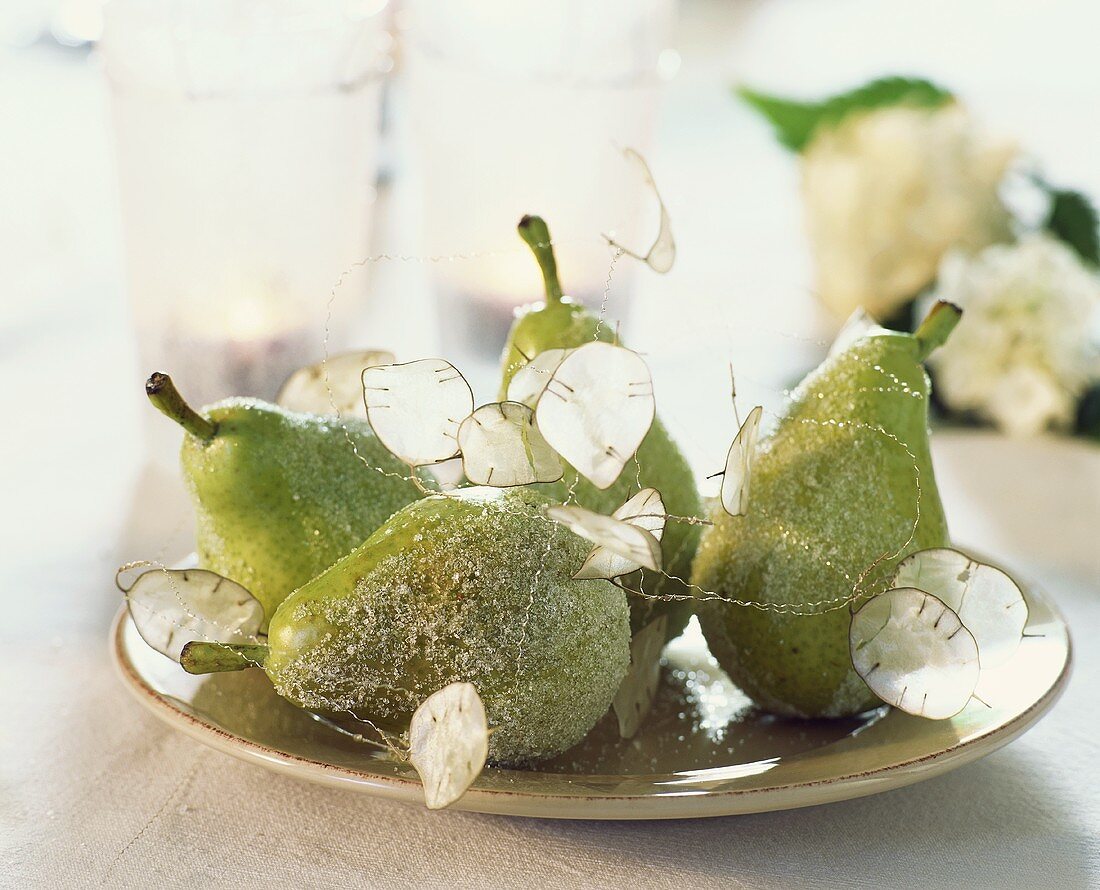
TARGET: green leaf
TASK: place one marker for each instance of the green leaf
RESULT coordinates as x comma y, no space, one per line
796,123
1073,220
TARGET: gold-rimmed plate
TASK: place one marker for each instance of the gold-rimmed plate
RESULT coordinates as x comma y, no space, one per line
704,751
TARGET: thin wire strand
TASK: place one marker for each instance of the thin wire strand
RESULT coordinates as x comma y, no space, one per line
696,593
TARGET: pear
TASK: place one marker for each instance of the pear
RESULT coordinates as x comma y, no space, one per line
560,323
280,496
474,586
841,492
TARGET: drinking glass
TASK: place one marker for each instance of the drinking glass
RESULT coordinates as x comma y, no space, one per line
524,107
246,136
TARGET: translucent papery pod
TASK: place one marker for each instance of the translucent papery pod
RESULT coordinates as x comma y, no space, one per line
858,326
662,253
596,410
449,742
914,653
529,382
634,698
988,602
333,386
416,408
173,607
637,547
501,446
646,510
739,460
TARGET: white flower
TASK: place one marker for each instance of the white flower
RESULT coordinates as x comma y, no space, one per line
889,192
1023,352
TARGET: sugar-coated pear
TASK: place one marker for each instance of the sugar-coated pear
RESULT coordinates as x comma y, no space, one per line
560,323
280,496
834,505
475,586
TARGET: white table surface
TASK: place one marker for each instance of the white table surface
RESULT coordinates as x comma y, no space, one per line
93,791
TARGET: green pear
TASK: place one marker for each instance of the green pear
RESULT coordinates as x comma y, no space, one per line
473,586
840,493
561,323
280,496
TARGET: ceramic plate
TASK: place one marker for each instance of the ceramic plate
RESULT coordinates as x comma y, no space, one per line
704,751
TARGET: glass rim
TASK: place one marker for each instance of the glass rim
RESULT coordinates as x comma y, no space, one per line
305,22
649,77
136,84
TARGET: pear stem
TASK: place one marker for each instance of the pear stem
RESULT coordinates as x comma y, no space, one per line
210,658
536,233
937,327
165,397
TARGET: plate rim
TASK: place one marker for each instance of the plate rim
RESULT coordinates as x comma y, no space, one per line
626,806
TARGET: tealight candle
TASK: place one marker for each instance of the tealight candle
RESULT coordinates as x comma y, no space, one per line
243,344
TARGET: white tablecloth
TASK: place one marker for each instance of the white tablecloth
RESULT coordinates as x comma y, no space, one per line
93,791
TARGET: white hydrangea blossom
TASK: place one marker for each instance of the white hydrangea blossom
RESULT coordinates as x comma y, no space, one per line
1023,352
888,192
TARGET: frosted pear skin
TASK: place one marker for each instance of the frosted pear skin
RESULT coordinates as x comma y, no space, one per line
660,464
474,587
280,496
830,497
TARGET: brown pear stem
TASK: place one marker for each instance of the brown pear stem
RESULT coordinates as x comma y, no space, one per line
165,397
210,658
536,233
937,327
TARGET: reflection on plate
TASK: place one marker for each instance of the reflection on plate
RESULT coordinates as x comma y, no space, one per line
704,751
